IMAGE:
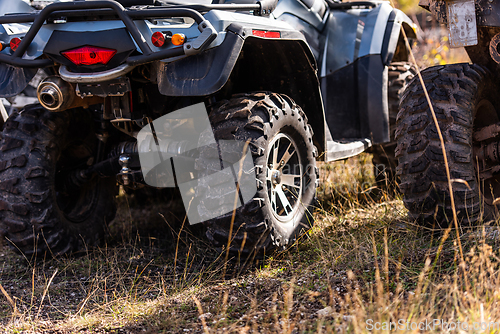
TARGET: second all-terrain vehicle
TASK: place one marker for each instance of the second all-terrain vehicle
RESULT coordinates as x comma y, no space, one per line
466,103
221,100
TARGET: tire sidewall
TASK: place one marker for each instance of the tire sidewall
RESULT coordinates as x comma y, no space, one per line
455,91
258,118
46,136
293,127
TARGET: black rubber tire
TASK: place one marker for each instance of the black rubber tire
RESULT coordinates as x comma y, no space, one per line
384,159
456,91
37,147
260,117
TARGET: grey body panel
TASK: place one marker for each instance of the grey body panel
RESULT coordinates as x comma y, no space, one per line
202,74
206,73
13,80
353,48
359,107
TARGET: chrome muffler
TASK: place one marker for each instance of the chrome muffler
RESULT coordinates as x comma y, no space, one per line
55,94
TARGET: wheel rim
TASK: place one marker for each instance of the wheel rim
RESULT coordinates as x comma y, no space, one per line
284,177
485,114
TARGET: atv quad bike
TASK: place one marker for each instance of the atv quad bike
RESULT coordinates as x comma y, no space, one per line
466,103
222,104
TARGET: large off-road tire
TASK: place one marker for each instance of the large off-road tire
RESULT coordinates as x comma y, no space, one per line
463,99
272,124
41,209
384,159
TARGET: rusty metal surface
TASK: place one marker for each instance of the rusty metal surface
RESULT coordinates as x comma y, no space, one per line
438,11
489,173
488,13
462,23
488,152
488,132
424,4
494,44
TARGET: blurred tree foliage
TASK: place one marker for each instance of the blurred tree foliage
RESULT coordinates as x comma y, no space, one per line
408,6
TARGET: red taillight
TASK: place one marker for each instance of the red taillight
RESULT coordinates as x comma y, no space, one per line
266,34
14,43
158,39
89,55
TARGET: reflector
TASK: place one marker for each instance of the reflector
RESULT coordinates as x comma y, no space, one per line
158,39
14,43
89,55
266,34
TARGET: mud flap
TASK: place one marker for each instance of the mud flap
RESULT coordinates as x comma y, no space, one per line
356,101
13,80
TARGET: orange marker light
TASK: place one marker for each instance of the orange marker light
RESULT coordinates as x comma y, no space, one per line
178,39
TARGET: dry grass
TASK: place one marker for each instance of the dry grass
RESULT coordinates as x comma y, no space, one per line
362,265
363,260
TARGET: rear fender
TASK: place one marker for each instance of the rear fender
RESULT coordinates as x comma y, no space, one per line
245,63
13,80
394,46
202,74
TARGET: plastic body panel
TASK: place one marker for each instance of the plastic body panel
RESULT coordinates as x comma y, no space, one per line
116,39
242,64
314,16
352,71
359,110
13,80
8,31
353,47
206,73
202,74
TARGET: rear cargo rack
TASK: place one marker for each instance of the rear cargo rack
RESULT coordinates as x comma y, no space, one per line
106,7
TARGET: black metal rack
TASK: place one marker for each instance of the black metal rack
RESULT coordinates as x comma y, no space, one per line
106,8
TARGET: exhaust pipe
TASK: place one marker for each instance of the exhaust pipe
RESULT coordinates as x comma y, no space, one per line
55,94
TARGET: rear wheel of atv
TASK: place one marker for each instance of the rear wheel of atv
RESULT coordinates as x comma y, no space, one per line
463,100
42,208
384,159
280,140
